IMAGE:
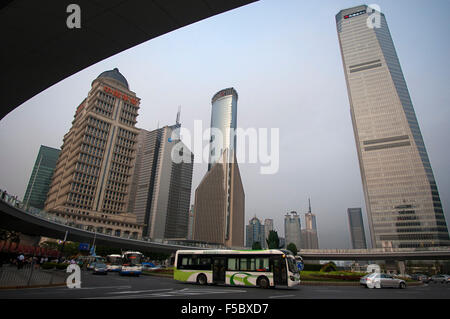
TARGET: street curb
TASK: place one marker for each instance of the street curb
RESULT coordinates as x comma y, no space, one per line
354,284
33,286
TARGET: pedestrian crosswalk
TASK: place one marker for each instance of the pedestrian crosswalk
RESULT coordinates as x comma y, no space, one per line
166,293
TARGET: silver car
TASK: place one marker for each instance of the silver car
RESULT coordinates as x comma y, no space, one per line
378,280
440,278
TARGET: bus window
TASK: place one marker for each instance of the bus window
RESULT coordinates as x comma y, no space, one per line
262,264
232,264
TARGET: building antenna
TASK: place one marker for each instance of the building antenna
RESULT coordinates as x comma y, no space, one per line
309,201
178,115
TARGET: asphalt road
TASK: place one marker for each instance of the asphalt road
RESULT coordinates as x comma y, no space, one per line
113,286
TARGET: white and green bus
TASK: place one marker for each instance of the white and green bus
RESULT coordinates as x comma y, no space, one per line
262,268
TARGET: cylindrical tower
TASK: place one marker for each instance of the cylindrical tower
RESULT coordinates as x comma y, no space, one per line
223,125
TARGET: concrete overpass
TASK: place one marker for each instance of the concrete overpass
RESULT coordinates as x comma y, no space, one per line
39,49
14,216
389,254
36,223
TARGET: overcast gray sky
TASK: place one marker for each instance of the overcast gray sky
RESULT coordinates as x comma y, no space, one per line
283,58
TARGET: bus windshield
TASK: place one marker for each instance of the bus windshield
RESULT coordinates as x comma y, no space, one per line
132,259
114,259
292,265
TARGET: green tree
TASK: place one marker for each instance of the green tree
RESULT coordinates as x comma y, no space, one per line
256,245
330,266
273,242
292,248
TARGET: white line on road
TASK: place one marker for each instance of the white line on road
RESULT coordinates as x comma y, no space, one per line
281,296
136,291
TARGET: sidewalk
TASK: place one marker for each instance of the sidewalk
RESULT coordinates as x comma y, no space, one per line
27,277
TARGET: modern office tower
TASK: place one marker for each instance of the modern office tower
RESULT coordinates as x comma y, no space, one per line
293,229
41,177
357,234
91,182
254,232
161,187
223,125
219,198
402,200
268,226
310,239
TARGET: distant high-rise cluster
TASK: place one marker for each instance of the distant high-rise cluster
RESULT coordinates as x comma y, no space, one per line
402,200
258,232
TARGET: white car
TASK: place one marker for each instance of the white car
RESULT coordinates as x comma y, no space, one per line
378,280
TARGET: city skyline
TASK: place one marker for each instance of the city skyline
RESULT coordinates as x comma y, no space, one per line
310,121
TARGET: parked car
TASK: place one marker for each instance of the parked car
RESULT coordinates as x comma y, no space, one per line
147,266
100,268
420,277
440,278
378,280
156,267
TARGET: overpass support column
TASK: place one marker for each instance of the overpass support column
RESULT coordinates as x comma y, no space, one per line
401,267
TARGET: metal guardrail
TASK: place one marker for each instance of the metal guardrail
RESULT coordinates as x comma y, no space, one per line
30,275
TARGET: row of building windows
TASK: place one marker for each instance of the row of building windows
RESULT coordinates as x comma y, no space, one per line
106,97
118,187
98,220
94,141
96,151
84,178
98,123
123,150
82,188
90,130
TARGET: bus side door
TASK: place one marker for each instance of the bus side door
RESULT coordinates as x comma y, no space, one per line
279,270
219,270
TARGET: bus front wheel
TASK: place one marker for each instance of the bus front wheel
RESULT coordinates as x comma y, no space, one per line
201,279
263,282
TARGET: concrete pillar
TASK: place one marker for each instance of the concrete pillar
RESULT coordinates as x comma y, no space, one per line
401,267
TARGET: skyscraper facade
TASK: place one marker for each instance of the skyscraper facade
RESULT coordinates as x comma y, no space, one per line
91,182
223,125
254,232
356,224
268,226
41,177
220,198
310,239
402,200
161,188
293,229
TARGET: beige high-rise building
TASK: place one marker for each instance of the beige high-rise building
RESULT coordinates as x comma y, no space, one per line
91,181
220,206
402,200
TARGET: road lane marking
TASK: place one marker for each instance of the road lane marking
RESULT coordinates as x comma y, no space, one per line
281,296
136,291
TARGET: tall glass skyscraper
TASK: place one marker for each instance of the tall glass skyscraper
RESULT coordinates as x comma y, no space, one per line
403,204
41,177
223,123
